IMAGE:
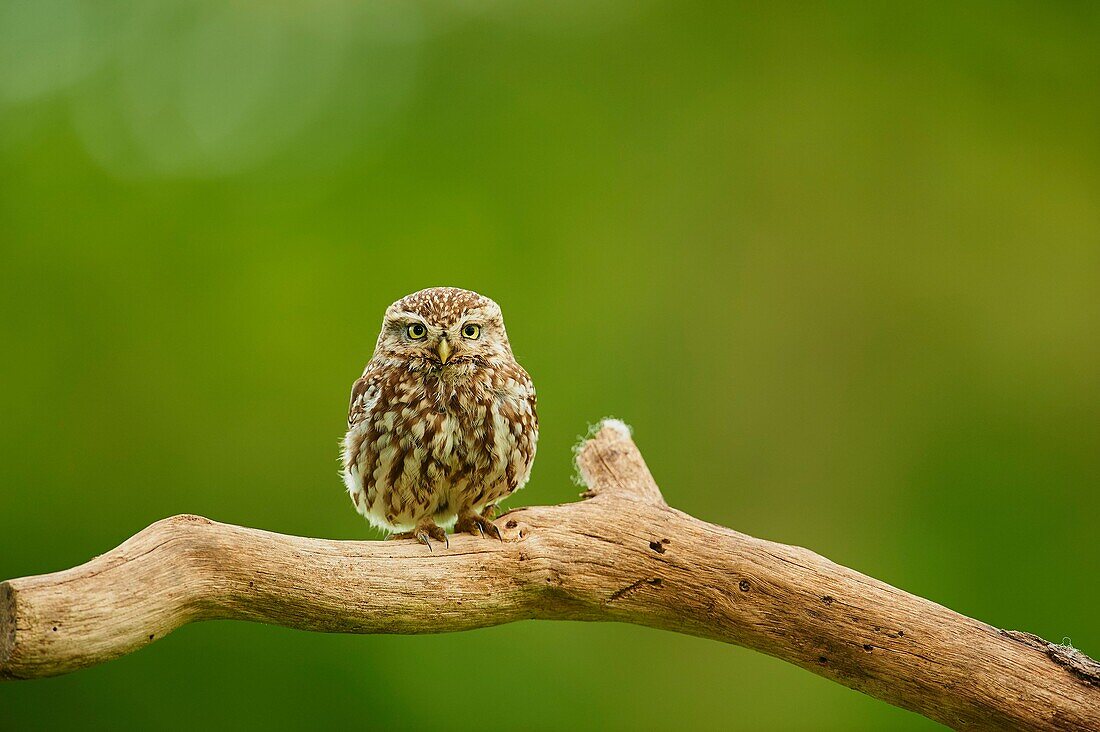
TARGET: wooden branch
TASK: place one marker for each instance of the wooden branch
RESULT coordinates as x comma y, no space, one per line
621,555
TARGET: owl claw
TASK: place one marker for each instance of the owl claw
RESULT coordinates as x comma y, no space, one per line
424,533
478,525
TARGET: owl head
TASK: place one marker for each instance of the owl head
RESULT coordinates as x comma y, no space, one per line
444,328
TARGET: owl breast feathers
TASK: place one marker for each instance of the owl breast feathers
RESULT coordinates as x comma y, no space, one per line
442,423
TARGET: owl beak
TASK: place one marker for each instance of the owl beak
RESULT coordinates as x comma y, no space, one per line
444,350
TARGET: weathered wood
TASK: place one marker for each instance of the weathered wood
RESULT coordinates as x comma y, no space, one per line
621,555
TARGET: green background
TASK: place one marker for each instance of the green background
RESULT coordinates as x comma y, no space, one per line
838,265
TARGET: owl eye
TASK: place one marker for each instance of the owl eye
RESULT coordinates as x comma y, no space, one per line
471,331
417,331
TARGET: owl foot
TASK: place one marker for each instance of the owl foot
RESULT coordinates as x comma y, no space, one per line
478,525
424,533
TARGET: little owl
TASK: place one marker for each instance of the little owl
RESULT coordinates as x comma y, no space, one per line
442,423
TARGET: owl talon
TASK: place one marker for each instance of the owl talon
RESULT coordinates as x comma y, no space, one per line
424,534
478,525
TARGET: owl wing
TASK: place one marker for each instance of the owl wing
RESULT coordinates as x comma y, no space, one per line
532,402
528,411
520,412
364,392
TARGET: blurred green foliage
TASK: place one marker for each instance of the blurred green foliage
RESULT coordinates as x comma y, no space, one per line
839,266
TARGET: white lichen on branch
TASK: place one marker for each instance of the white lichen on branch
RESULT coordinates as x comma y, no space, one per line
618,426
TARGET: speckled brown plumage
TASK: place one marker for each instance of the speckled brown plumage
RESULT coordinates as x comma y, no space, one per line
442,423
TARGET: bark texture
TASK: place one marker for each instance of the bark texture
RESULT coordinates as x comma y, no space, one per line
620,555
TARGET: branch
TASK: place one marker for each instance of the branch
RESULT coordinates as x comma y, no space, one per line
622,555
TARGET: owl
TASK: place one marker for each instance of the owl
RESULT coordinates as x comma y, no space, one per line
442,423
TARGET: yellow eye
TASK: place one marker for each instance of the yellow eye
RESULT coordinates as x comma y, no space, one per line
471,331
417,332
